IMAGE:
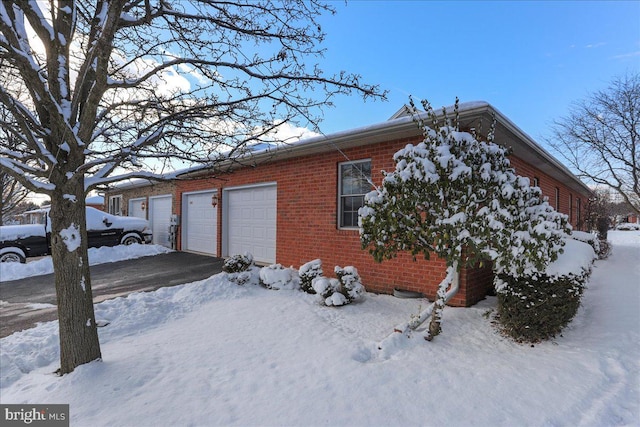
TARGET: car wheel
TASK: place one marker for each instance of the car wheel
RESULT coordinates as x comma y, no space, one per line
12,257
131,239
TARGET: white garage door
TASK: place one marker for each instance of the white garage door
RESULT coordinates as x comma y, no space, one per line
159,218
199,226
251,224
135,208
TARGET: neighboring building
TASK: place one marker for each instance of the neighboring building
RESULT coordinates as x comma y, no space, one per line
95,202
34,216
153,201
299,202
37,216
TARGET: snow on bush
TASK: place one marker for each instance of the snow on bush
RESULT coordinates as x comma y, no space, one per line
628,226
326,287
307,273
349,278
238,263
239,269
341,291
588,238
537,307
456,195
277,277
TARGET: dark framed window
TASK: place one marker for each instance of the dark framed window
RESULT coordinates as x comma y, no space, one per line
571,208
579,212
354,181
557,199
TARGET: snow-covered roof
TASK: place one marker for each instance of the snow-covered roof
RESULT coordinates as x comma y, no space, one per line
94,200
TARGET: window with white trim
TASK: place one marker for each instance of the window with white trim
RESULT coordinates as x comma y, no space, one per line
354,181
115,205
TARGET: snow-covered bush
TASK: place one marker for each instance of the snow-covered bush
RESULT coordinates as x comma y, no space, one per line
351,286
456,196
341,291
239,269
326,288
589,238
307,273
536,307
277,277
628,226
238,263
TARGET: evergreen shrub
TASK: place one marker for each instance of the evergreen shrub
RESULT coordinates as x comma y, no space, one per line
341,291
277,277
307,273
239,268
534,309
238,263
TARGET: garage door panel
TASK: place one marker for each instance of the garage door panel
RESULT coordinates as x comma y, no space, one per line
160,218
201,223
251,226
136,208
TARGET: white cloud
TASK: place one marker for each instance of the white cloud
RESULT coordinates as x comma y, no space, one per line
286,132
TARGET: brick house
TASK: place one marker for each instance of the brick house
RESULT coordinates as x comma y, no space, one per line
299,202
151,200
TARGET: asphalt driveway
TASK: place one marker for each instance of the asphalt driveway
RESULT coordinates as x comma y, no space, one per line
25,302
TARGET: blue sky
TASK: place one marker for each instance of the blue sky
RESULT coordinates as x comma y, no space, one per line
530,60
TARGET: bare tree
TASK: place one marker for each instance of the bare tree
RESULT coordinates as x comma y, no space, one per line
13,194
600,138
114,84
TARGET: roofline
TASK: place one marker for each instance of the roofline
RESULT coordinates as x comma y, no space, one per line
401,126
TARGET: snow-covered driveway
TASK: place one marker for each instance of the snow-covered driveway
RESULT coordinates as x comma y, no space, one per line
115,271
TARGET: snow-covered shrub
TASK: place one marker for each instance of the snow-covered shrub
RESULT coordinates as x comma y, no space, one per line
341,291
238,263
457,196
589,238
326,287
536,307
277,277
243,277
628,226
307,273
351,286
239,269
601,247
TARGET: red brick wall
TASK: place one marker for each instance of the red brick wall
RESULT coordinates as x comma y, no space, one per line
307,220
548,186
154,189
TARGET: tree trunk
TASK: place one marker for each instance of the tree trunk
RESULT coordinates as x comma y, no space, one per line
78,332
453,275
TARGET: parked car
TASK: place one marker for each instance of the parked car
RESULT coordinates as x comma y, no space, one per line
18,242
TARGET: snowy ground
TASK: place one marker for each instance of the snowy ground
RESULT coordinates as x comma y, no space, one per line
213,353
